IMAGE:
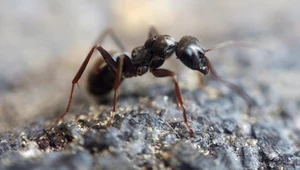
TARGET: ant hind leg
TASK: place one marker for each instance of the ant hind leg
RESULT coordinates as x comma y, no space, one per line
74,82
115,38
152,32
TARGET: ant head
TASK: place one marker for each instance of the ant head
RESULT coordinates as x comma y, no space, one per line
191,53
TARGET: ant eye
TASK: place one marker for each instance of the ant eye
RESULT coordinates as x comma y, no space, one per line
203,62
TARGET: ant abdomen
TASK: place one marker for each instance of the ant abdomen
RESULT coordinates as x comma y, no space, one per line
100,79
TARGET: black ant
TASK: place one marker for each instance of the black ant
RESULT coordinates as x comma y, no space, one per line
149,57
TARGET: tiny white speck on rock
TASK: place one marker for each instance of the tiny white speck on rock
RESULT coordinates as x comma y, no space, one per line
32,151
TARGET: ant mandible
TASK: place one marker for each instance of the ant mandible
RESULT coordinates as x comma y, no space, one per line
149,57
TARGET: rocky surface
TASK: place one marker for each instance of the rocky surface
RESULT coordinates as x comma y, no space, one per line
150,134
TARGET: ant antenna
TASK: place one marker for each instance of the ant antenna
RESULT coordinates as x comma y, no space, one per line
227,43
250,102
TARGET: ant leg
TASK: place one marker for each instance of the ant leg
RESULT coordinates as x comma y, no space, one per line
129,69
152,32
118,77
114,37
123,66
109,60
250,102
75,81
168,73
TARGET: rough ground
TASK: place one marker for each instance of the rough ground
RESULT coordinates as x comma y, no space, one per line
148,131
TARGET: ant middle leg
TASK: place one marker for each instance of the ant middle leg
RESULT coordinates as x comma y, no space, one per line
168,73
117,81
122,67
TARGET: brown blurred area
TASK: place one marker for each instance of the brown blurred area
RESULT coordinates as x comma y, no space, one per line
43,43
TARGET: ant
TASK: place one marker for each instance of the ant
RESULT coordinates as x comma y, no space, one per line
106,77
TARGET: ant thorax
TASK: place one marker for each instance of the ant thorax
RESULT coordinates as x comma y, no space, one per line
140,56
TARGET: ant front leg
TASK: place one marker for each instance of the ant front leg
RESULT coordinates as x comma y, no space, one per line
168,73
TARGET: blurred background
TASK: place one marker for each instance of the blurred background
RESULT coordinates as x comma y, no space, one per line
43,43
